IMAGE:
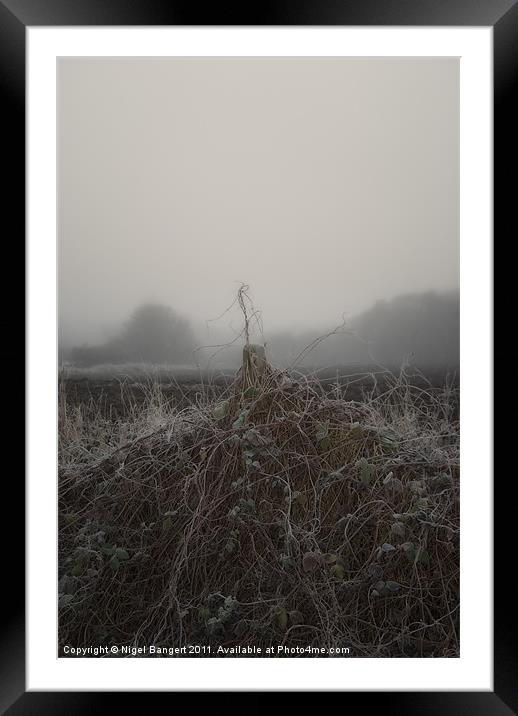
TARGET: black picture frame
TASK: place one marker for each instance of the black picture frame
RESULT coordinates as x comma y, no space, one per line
15,17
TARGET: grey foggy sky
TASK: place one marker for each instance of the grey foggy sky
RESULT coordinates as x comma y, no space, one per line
323,183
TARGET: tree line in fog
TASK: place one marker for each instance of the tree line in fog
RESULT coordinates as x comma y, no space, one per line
422,328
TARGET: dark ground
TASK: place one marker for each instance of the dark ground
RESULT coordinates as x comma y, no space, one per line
115,392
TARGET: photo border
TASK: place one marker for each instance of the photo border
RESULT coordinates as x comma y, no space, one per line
46,47
13,23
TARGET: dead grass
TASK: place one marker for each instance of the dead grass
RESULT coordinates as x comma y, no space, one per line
280,513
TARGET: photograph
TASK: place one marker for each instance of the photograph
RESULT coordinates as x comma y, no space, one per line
258,375
258,392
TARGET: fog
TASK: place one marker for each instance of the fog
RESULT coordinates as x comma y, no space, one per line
325,184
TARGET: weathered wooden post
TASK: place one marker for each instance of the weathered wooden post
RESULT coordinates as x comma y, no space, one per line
254,365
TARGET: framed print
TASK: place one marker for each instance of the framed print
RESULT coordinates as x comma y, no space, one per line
259,364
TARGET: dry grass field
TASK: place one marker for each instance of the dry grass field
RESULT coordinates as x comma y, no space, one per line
265,509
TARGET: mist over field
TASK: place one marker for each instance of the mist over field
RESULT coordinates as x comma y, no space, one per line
258,394
328,185
419,329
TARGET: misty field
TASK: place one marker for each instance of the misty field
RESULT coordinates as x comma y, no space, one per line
258,339
270,509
